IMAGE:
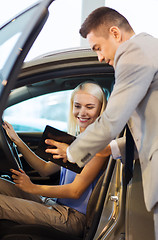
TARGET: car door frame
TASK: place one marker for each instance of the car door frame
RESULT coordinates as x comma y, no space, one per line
21,48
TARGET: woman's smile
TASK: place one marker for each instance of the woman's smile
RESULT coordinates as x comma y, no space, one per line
83,119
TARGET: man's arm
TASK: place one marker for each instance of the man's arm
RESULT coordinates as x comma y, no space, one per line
116,148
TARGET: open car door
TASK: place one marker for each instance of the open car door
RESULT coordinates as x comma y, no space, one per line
16,38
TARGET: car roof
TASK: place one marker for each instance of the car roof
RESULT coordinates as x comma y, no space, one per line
60,58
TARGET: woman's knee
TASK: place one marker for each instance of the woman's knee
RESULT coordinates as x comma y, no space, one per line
6,187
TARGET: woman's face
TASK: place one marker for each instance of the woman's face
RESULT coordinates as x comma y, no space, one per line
86,108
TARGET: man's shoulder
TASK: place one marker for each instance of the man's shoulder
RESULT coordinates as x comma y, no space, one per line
135,39
139,43
143,35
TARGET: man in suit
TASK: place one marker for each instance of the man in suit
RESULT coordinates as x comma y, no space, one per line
133,99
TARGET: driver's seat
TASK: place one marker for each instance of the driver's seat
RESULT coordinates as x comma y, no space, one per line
10,230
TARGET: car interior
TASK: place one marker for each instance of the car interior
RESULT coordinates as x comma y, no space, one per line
106,211
33,89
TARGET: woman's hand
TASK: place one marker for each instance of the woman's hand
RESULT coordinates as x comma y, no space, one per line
22,181
10,132
59,151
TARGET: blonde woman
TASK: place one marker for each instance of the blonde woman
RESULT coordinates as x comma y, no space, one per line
21,201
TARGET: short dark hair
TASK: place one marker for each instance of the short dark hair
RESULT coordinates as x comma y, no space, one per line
104,16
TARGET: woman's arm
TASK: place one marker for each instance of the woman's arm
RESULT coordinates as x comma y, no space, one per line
72,190
44,168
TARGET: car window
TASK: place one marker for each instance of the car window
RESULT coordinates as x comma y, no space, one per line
10,43
16,38
34,114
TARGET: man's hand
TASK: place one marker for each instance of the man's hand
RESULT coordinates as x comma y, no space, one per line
59,151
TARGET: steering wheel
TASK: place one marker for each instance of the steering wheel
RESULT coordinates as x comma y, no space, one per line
9,157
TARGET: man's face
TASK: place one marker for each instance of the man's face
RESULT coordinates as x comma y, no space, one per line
105,47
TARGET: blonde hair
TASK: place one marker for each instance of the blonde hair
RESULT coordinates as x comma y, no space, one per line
90,88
